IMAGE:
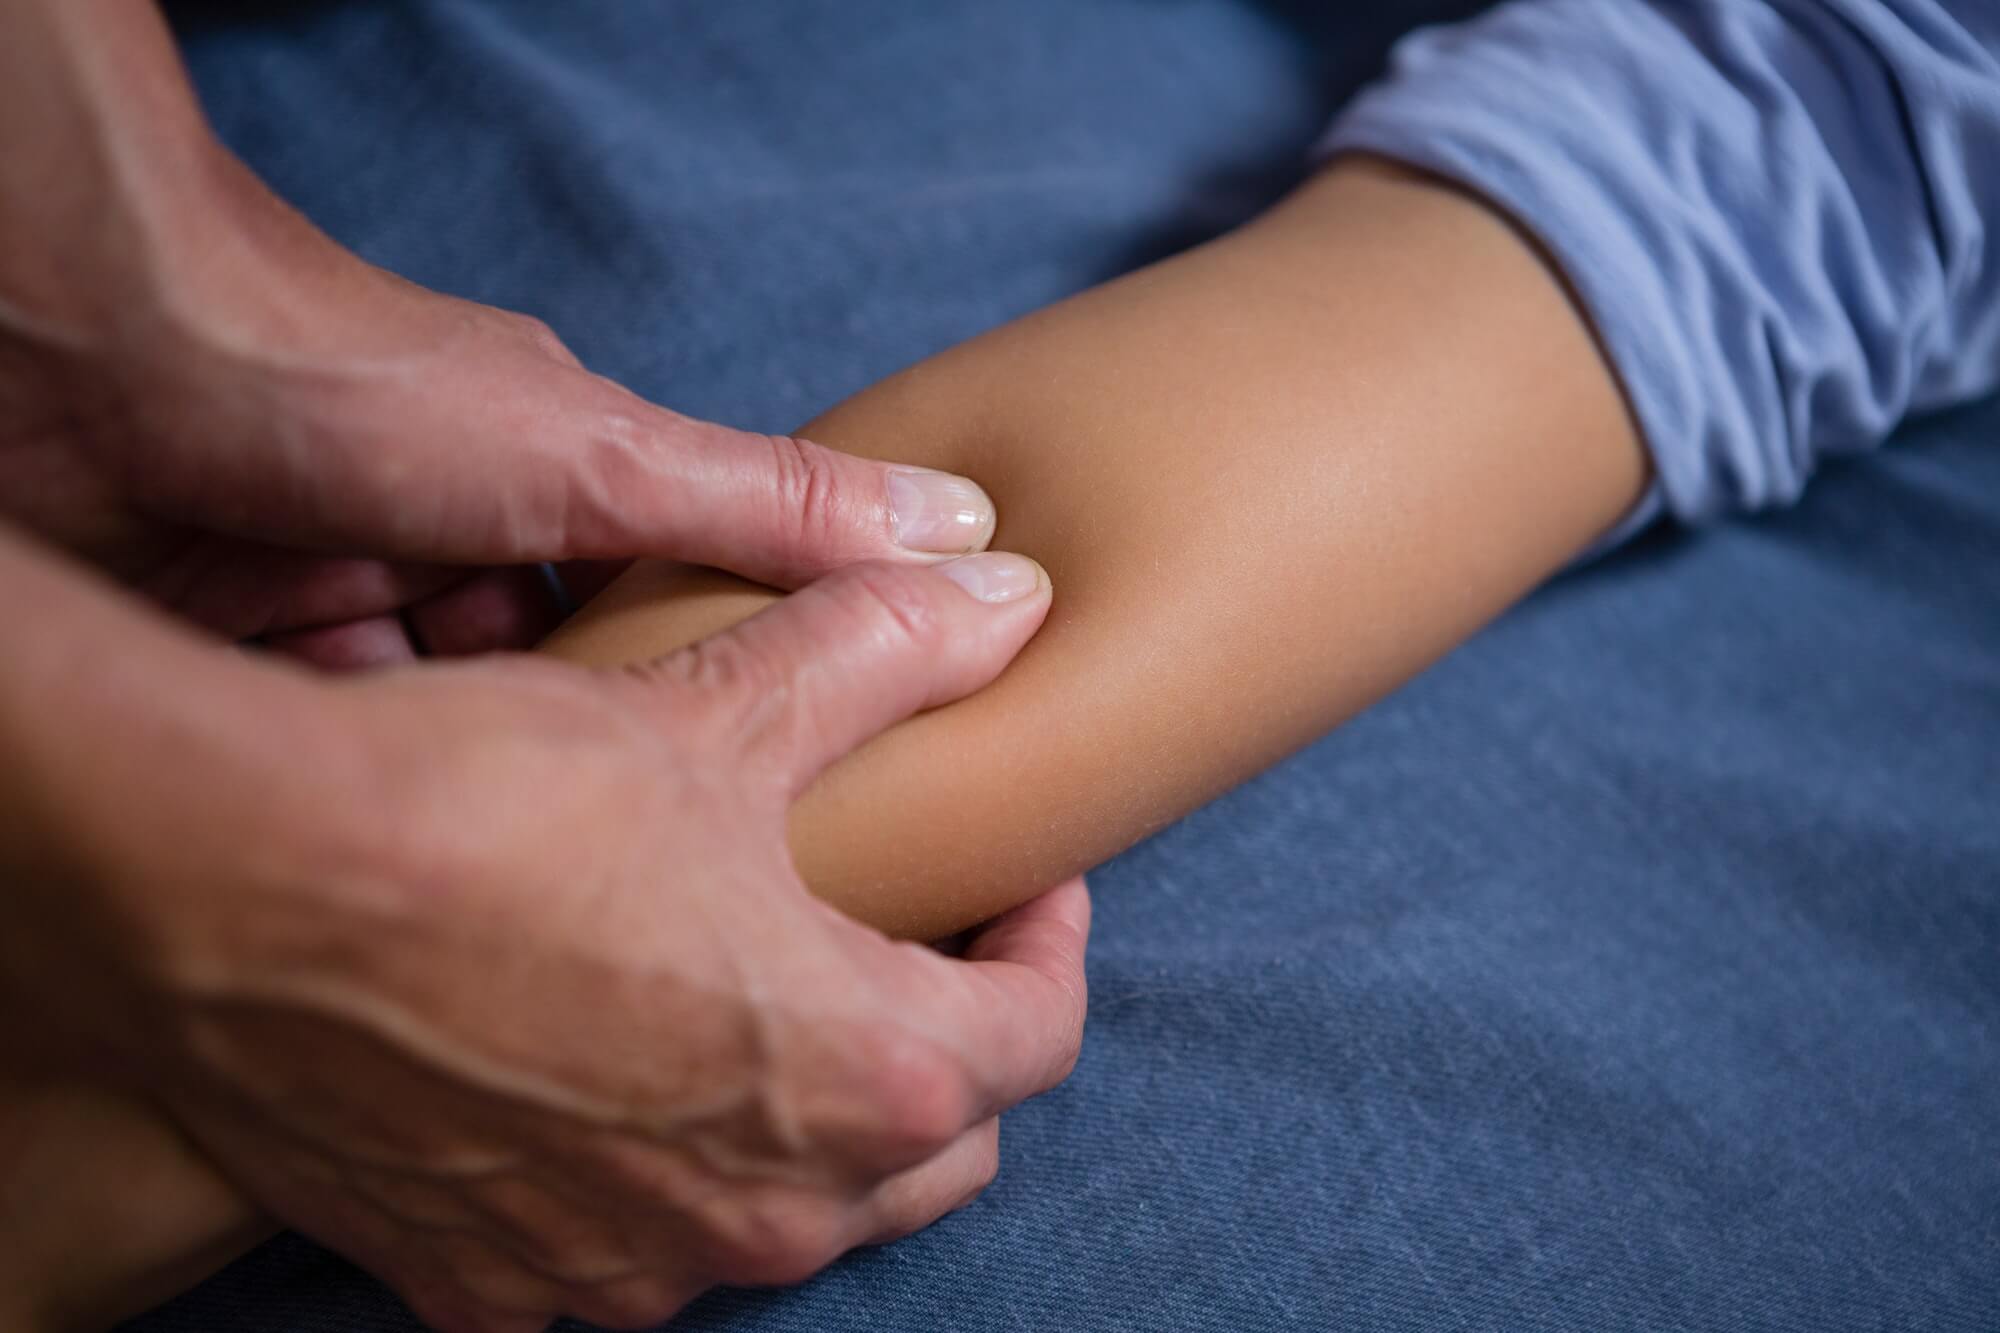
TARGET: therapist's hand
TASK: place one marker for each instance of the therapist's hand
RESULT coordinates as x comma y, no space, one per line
496,976
205,395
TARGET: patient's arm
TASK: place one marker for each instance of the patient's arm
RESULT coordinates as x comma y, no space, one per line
1271,478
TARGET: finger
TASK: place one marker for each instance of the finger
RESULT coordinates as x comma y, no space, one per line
491,453
1017,1008
783,510
501,610
537,335
913,1199
806,680
375,642
639,479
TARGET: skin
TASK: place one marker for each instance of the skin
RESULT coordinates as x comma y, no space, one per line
543,911
717,1079
204,396
1272,478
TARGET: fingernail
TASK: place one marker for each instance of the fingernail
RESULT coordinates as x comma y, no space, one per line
937,512
994,576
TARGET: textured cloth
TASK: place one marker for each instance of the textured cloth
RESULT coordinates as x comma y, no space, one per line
1782,215
1638,968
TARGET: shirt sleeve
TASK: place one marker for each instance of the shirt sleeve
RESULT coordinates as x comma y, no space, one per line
1778,214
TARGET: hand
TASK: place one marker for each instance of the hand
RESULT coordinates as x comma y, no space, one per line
206,395
513,995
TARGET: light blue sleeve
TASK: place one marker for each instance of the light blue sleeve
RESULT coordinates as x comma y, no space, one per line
1779,214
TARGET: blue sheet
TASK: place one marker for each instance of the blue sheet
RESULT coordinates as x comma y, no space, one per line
1636,968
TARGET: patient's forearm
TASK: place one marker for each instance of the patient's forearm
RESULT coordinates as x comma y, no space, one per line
1271,479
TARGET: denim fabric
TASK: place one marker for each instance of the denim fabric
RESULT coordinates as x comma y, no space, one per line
1636,968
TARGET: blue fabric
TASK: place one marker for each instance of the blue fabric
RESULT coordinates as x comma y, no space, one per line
1637,968
1783,215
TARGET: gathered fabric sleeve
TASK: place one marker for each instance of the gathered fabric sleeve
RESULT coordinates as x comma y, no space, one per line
1778,214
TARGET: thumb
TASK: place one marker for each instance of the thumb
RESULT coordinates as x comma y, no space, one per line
808,679
502,455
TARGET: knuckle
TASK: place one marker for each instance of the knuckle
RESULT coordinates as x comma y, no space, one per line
719,666
540,336
922,1102
891,605
812,499
743,695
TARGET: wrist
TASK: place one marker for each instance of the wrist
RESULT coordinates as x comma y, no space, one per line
108,196
109,164
158,795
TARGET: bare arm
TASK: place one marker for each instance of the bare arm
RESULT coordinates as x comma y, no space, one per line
1271,479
